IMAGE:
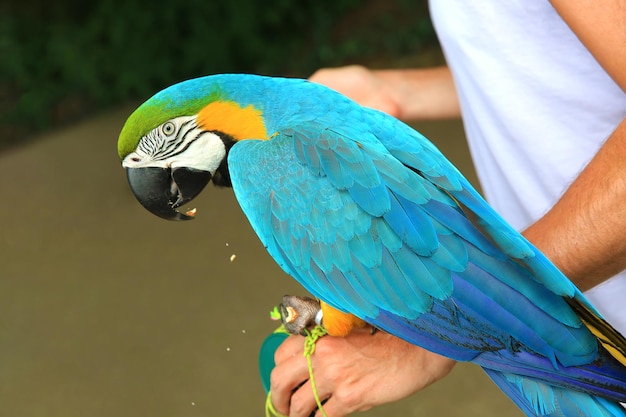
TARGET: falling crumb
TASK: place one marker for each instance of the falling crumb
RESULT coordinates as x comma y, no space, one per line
243,331
191,213
192,403
232,257
227,244
227,349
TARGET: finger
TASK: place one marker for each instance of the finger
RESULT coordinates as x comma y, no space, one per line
303,402
286,377
332,409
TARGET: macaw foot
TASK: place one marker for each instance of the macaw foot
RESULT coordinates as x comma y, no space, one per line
299,313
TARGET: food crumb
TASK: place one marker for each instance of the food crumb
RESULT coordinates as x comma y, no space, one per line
232,257
191,213
243,331
227,349
192,403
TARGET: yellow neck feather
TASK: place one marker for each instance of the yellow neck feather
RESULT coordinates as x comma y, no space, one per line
230,118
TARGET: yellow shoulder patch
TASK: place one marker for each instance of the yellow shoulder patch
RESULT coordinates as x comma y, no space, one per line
230,118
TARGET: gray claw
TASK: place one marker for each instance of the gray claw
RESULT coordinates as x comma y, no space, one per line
299,313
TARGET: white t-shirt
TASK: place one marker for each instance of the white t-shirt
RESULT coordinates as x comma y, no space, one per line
536,107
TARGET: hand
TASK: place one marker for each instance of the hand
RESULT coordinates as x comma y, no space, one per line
353,373
361,85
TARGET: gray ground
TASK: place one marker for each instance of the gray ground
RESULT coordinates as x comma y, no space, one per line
106,310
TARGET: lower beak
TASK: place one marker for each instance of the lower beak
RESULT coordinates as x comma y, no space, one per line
162,190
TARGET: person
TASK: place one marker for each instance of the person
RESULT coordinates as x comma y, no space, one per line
540,86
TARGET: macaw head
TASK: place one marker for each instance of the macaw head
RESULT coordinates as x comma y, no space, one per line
178,141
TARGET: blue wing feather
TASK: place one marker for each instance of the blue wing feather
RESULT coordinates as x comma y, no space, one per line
451,253
394,268
335,171
388,237
412,225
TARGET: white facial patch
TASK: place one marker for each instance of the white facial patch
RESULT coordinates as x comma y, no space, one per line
178,143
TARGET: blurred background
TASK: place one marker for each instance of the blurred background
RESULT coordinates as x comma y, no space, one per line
106,310
65,59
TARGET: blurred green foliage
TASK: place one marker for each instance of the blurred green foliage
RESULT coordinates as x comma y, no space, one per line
63,59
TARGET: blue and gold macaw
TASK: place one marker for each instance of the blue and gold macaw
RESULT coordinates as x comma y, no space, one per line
373,220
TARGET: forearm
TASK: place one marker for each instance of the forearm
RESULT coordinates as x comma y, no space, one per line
408,94
583,234
422,94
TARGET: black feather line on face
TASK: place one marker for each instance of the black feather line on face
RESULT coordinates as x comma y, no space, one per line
221,178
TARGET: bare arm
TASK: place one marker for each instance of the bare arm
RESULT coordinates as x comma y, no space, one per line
408,94
583,234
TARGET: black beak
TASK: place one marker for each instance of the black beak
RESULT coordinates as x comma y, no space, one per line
162,190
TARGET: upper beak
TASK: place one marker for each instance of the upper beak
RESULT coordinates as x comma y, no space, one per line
162,190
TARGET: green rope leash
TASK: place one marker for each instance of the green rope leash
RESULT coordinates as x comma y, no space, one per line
270,411
309,347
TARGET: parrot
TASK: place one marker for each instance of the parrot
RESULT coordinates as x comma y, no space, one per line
373,220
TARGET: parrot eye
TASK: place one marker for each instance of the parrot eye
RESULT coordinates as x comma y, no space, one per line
168,128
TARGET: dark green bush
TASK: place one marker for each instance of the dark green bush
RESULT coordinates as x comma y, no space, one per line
61,59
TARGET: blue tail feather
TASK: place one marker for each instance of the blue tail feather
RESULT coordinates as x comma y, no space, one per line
604,377
538,399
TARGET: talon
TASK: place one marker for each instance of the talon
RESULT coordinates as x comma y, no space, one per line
298,313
